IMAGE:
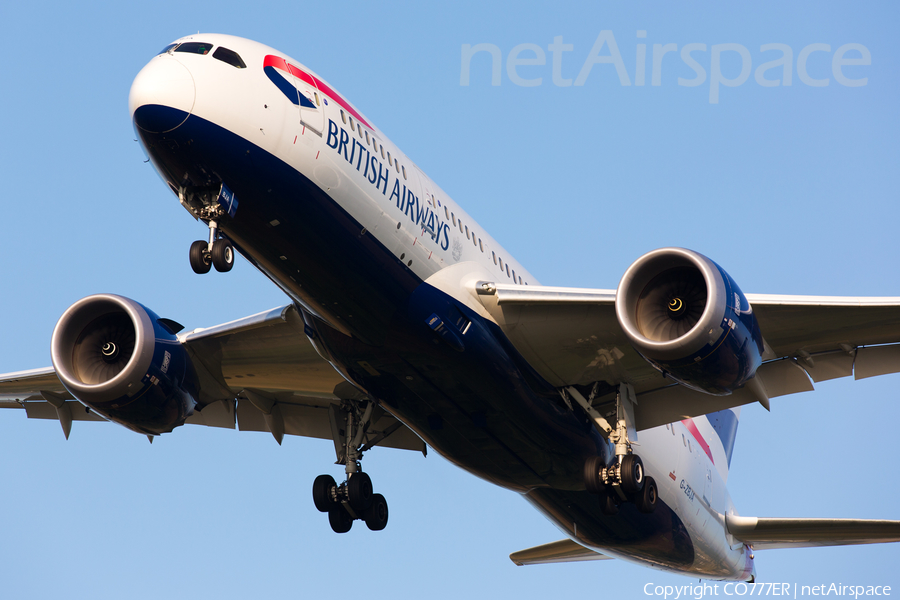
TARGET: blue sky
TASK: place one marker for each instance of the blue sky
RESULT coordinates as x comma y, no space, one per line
792,189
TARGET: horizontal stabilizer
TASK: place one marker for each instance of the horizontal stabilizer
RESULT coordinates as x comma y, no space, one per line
766,534
555,552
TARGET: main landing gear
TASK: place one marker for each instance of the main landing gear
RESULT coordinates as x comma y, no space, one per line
624,479
354,498
217,252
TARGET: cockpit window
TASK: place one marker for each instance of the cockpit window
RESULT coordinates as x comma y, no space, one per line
194,47
168,48
229,56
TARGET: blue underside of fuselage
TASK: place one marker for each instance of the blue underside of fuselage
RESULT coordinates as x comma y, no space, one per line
500,421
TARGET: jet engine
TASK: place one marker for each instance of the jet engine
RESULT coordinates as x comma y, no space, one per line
121,360
686,316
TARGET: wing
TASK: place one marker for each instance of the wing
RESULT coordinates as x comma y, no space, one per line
556,552
767,534
260,373
572,337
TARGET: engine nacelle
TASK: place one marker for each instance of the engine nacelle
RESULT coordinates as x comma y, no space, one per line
688,317
116,357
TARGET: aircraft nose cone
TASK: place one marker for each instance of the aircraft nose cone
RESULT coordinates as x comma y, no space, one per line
162,95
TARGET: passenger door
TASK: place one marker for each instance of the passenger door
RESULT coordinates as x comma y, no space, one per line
312,114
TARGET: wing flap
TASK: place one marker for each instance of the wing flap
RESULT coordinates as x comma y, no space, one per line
267,355
877,360
38,408
676,402
572,337
556,552
308,417
772,533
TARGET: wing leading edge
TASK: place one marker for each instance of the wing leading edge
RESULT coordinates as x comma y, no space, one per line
571,337
260,373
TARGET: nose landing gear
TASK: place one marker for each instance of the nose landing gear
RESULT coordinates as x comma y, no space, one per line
210,204
217,252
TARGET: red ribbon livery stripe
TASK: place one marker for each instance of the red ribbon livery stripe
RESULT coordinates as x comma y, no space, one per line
280,63
692,427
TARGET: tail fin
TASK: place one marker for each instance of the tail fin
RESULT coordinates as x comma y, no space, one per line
725,424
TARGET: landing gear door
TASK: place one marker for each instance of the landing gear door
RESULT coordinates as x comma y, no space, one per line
311,101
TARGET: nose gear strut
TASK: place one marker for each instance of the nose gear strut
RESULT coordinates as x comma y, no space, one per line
207,205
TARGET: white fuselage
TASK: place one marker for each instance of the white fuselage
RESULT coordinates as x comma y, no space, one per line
342,152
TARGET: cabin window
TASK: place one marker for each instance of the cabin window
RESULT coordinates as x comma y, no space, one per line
229,56
494,256
520,280
507,269
194,48
447,213
390,161
514,275
467,232
683,441
382,153
351,124
404,172
479,245
367,136
397,166
501,263
453,217
343,117
474,242
316,94
460,226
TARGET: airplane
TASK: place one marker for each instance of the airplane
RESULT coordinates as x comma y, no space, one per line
613,412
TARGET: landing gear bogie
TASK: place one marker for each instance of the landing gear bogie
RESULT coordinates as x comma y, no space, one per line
623,481
351,500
